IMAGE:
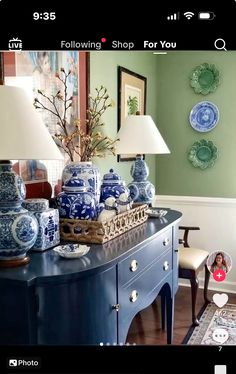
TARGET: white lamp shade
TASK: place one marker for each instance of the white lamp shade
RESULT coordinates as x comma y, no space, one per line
23,135
139,135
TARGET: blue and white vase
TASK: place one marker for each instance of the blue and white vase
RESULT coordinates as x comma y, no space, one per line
18,227
75,201
112,185
86,171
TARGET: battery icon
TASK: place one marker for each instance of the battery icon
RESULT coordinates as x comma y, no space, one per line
206,15
220,369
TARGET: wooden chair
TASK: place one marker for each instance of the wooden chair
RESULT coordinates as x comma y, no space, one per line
191,261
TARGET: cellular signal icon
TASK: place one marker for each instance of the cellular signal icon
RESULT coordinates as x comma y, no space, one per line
174,17
188,15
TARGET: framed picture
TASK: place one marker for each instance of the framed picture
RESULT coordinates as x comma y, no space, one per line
131,98
37,70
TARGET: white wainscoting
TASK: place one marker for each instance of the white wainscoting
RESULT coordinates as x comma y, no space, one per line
216,218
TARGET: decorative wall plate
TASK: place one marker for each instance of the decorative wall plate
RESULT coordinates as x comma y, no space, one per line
204,116
205,78
203,154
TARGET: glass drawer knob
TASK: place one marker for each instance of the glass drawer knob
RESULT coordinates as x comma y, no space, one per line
116,307
133,265
134,296
166,266
166,241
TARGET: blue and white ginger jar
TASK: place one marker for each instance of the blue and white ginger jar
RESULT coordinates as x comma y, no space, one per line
48,221
75,201
86,171
112,185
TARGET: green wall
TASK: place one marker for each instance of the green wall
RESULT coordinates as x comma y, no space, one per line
175,99
169,101
104,71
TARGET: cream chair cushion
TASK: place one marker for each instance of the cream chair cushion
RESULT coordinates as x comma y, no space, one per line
192,258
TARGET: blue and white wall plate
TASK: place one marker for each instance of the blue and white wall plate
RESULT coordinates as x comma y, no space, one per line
204,116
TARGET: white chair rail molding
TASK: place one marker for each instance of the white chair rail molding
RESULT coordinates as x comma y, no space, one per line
216,218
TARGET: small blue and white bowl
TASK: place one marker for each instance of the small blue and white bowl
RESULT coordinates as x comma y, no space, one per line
72,250
156,213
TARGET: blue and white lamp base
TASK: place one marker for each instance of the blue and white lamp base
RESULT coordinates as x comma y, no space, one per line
18,231
18,227
141,190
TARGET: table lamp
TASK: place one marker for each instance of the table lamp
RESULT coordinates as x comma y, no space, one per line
139,135
23,136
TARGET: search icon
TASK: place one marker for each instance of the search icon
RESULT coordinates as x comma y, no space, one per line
220,44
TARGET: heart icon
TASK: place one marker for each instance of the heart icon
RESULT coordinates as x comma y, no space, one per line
220,299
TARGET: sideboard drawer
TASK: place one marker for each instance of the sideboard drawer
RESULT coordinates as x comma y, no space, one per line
133,296
138,261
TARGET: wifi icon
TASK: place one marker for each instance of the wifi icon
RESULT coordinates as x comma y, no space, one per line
188,15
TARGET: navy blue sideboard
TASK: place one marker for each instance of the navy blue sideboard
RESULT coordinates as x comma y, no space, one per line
92,299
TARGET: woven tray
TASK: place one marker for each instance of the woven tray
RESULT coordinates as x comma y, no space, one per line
100,232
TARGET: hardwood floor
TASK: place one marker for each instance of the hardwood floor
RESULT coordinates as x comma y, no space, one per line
146,326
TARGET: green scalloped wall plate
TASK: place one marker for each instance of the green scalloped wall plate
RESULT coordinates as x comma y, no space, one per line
203,154
205,79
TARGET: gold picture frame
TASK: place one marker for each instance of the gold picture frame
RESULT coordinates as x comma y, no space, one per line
132,89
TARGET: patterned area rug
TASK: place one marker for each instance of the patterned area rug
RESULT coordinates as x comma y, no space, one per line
211,319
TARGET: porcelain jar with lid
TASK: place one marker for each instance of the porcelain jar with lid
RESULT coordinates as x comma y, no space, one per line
75,201
87,171
48,222
112,185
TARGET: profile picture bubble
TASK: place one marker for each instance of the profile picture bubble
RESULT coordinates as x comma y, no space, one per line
219,261
220,335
